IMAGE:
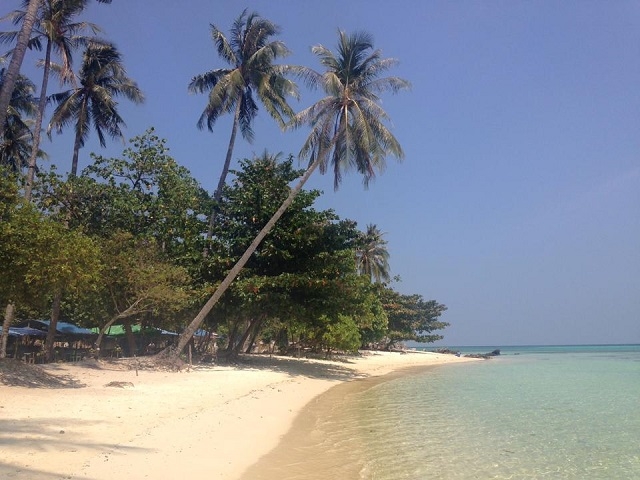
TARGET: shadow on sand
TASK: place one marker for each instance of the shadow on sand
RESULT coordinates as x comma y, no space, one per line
14,373
18,374
295,366
44,435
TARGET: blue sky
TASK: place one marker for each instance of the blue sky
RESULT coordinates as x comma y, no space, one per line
518,202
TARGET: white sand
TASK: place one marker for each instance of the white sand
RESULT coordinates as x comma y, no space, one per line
211,422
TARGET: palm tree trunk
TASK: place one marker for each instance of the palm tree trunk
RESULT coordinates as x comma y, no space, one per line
217,195
9,314
233,273
76,151
16,58
42,104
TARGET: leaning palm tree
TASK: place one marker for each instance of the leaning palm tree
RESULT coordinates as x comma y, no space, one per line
56,29
92,103
347,126
372,256
346,130
250,53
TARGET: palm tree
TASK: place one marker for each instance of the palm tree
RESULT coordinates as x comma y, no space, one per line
92,103
22,41
54,26
250,54
372,257
346,127
15,146
22,102
16,136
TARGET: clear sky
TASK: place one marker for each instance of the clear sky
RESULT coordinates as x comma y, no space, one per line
518,202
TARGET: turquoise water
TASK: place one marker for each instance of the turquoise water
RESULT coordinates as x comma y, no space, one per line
532,413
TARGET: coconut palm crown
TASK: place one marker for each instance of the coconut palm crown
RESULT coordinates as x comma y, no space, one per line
92,103
16,136
54,28
347,125
372,256
250,54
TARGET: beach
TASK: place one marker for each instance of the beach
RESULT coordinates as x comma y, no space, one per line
206,422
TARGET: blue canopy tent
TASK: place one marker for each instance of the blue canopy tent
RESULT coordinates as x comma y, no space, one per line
25,331
71,342
62,328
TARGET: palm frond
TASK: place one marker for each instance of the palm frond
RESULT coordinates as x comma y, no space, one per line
248,111
224,48
349,120
91,103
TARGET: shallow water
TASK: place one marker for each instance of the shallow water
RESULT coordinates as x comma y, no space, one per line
557,413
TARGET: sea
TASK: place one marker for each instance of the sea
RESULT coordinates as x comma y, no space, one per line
534,412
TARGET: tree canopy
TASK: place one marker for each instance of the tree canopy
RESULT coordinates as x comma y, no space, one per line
132,238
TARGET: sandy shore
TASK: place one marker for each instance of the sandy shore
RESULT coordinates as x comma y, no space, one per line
210,422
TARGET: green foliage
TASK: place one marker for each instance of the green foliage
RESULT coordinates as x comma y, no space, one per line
145,193
259,188
250,53
347,125
303,273
342,334
91,103
138,279
39,255
411,317
125,238
15,134
370,314
144,212
372,256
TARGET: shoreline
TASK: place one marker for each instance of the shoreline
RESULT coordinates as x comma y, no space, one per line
216,421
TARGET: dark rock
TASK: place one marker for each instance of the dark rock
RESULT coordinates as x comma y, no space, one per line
119,384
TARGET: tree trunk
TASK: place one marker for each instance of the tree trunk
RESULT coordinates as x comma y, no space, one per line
9,314
76,153
51,334
77,144
245,336
42,104
231,341
131,310
233,273
16,58
217,195
254,334
131,340
104,330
